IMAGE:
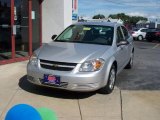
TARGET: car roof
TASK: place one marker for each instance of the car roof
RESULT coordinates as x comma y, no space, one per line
98,23
143,28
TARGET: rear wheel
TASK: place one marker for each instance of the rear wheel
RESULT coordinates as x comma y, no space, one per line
111,82
140,37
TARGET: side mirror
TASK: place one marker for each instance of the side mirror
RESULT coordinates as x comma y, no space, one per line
53,37
123,42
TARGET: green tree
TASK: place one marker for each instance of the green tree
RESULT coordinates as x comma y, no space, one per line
135,19
99,16
127,19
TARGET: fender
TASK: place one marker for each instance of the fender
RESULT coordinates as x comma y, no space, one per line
108,67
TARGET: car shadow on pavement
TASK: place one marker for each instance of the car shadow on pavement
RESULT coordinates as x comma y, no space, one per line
51,92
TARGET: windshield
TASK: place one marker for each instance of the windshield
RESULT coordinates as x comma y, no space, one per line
91,34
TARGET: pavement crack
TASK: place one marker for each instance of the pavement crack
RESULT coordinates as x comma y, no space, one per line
80,109
121,105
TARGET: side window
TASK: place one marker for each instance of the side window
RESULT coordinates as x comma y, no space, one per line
119,35
144,30
125,32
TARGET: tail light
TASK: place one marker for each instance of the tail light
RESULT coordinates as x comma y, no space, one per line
157,33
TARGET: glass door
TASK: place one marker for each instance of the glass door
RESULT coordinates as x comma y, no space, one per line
15,43
21,28
5,30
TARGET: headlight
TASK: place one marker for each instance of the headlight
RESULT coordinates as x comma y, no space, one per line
92,65
33,59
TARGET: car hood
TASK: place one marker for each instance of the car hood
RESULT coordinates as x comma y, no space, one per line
71,52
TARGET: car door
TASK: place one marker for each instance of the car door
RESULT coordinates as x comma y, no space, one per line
121,51
143,32
128,47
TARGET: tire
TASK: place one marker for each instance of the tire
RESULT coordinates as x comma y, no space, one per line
140,37
130,63
111,82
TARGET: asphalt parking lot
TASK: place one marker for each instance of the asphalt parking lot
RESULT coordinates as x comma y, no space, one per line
136,96
146,70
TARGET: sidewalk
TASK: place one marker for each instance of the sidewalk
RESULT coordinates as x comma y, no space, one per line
120,105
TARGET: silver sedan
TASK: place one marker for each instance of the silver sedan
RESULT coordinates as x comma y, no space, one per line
86,56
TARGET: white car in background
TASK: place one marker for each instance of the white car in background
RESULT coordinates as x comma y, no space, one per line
139,34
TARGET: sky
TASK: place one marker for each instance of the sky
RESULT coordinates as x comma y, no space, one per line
145,8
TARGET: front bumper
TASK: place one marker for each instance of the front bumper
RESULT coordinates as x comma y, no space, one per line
72,80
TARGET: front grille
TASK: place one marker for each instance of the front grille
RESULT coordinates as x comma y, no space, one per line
60,66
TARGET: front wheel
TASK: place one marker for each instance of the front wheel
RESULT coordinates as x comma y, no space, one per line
111,82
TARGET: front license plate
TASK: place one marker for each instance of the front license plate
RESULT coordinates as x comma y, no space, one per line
51,80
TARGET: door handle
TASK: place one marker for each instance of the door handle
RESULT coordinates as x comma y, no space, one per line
5,26
14,29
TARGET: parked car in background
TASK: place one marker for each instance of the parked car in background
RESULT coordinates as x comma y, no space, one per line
139,34
85,57
153,35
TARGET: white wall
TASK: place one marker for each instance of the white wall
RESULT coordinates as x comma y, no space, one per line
56,16
67,13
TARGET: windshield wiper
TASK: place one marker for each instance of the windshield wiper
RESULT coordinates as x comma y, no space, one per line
60,40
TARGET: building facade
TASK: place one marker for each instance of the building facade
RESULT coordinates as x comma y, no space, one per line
26,24
148,24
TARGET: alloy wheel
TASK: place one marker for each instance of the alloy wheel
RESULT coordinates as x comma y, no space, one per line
140,37
112,79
